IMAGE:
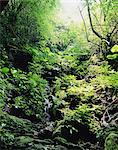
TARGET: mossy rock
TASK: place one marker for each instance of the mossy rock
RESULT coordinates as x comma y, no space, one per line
111,142
13,131
15,124
17,133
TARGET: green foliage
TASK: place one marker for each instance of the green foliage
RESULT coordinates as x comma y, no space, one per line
65,79
110,81
5,87
114,55
23,91
114,49
5,70
111,142
82,116
45,58
99,70
66,62
19,16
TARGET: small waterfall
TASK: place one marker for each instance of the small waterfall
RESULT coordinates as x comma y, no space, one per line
48,105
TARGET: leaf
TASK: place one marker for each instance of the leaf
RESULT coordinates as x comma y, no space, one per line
114,49
71,131
5,70
114,56
13,71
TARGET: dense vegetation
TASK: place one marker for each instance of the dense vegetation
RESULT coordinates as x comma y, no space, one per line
58,83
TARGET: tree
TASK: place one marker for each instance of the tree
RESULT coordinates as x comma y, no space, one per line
19,16
103,19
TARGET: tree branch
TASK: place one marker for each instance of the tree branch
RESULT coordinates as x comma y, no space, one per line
91,24
85,27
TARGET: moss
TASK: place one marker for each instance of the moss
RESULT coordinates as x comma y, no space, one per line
15,124
24,140
17,133
12,127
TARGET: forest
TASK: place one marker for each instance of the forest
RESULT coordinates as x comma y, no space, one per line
58,80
